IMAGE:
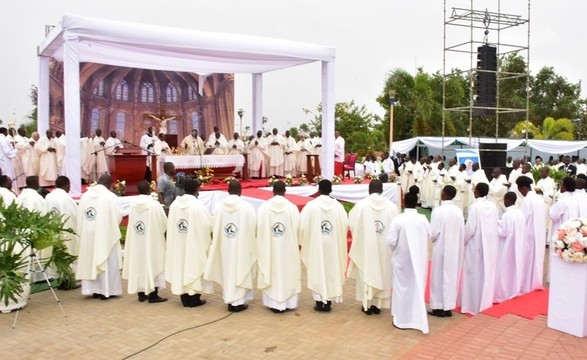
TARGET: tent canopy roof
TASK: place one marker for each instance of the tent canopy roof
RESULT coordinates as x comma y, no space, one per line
166,48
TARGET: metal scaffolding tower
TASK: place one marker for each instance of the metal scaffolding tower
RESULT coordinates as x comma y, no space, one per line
466,31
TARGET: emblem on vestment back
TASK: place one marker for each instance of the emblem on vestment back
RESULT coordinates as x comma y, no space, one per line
230,230
379,227
326,227
90,213
182,225
139,227
278,229
54,211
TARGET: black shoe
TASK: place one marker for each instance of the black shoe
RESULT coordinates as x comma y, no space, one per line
237,308
328,305
156,299
195,301
447,313
368,311
96,296
142,297
319,306
104,297
277,311
375,310
184,300
437,313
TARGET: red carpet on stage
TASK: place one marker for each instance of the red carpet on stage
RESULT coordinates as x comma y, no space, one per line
527,306
298,201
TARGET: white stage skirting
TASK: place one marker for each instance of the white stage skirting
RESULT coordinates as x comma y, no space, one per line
202,161
352,193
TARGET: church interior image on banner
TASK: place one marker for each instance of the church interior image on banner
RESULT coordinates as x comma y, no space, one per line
129,100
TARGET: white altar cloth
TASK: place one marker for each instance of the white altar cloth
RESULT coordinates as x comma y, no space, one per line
201,161
567,300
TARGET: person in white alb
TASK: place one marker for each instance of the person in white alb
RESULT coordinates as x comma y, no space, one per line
7,153
235,145
218,142
497,189
99,248
339,152
192,144
447,232
46,148
278,257
113,144
144,248
6,194
408,239
290,151
275,146
257,156
370,255
161,146
101,166
305,148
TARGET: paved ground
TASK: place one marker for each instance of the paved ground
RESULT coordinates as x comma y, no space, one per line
124,328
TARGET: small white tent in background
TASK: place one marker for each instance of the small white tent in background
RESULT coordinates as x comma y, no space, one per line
81,39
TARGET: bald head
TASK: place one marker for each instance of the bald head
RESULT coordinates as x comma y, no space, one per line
279,188
376,187
234,188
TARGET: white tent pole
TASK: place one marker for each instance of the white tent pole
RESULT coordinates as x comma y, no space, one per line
257,103
72,114
327,155
43,96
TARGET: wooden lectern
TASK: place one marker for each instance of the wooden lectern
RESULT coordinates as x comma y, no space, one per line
130,168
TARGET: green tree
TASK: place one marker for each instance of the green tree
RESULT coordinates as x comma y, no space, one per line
31,125
559,129
553,96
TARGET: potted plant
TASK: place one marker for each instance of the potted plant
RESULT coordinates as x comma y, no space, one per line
20,231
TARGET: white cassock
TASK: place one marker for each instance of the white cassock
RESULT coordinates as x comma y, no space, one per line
101,166
31,200
111,144
427,186
232,252
323,237
565,208
61,153
511,232
370,255
99,250
189,233
454,178
480,257
7,153
278,256
161,147
447,232
290,153
235,147
305,149
534,210
275,147
144,248
339,149
406,175
514,174
192,145
408,239
497,189
48,171
219,144
581,197
257,164
60,203
87,159
7,196
316,143
25,152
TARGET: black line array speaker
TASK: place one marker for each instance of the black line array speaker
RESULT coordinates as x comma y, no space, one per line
492,155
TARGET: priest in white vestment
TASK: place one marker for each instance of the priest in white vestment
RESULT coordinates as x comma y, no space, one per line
480,253
511,233
7,153
339,152
161,146
305,148
189,234
60,203
497,189
98,264
101,166
565,207
257,160
113,144
581,195
323,238
144,248
46,149
217,142
87,159
61,151
370,255
24,147
447,232
192,144
6,194
232,252
278,256
534,210
290,151
275,147
235,145
408,239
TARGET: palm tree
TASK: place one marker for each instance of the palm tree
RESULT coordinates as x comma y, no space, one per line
559,129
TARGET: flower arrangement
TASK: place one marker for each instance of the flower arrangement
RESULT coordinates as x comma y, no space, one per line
205,176
288,180
272,180
119,187
571,241
336,180
358,179
303,180
317,179
371,176
228,179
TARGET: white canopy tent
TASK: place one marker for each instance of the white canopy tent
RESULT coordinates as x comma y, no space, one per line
546,146
81,39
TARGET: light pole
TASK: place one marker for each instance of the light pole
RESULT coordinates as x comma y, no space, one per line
240,113
265,121
391,106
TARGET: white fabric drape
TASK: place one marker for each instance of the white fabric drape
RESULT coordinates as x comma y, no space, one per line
257,103
557,146
72,113
327,155
43,96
